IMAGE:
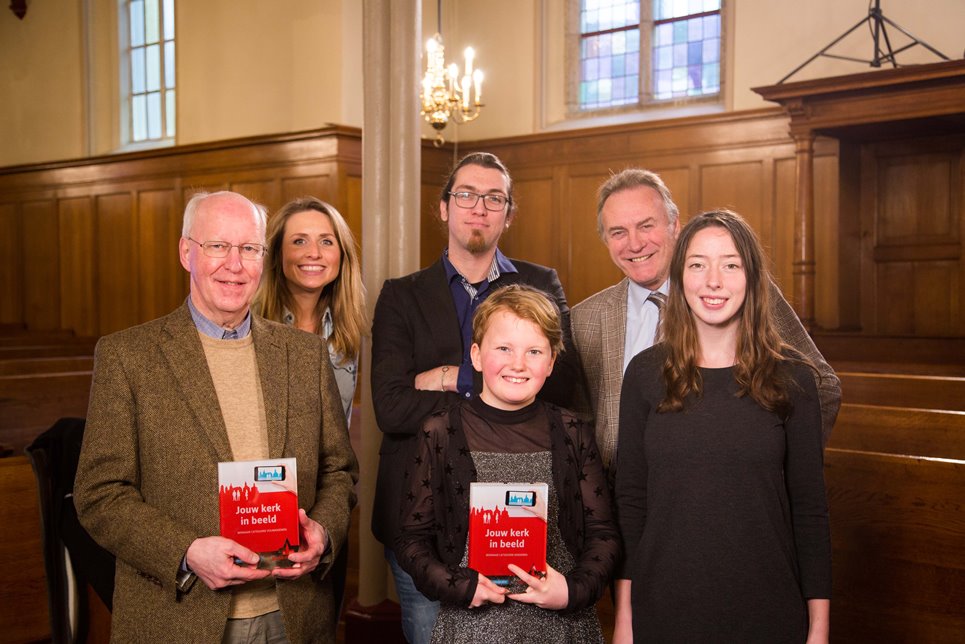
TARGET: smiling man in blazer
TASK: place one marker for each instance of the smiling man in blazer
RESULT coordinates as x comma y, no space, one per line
171,399
638,221
421,334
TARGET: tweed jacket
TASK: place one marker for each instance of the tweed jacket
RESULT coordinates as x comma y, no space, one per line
147,482
415,328
599,333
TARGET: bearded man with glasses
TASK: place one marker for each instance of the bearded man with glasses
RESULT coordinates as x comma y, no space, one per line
421,335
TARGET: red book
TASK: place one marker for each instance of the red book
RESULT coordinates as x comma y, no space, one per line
259,507
507,525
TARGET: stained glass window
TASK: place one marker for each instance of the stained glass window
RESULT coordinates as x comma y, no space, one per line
151,70
609,53
676,44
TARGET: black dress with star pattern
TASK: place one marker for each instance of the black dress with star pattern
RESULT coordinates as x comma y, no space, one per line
435,508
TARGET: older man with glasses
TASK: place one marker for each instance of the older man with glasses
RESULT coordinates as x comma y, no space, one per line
421,335
210,383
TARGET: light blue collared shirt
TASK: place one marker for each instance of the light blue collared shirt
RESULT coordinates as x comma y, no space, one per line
642,318
346,371
218,332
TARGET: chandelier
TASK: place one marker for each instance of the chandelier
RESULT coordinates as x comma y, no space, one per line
447,96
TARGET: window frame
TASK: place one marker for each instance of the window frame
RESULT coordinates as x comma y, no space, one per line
127,94
645,98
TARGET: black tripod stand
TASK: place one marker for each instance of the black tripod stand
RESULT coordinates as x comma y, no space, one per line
876,21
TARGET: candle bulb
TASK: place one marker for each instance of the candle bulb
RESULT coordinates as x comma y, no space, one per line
477,78
470,54
453,77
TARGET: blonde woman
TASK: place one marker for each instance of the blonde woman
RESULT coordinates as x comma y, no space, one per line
313,281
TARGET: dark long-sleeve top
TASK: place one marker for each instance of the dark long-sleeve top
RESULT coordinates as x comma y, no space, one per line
722,507
415,328
435,509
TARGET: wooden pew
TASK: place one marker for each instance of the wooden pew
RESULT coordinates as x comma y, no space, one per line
900,431
897,532
896,491
32,403
23,593
904,390
55,364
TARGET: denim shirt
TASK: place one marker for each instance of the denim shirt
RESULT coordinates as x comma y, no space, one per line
346,371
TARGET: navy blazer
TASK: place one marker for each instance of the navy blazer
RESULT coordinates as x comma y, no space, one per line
415,328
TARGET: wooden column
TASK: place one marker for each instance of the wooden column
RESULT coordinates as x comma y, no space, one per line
804,264
391,180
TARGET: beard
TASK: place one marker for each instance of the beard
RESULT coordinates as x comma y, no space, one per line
477,244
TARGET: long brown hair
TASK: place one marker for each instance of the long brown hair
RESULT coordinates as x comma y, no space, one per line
345,296
760,350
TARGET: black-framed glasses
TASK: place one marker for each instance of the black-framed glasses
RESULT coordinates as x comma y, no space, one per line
221,249
491,201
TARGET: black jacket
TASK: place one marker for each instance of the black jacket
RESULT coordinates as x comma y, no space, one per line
414,329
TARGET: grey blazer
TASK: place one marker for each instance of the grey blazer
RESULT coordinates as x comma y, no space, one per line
147,482
599,333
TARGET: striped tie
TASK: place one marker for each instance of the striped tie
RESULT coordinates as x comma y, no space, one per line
658,299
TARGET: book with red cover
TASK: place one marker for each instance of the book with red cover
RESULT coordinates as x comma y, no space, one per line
259,507
507,525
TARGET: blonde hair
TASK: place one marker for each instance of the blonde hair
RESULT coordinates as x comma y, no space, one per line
526,303
345,296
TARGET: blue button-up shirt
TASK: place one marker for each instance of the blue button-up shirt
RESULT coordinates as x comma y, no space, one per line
216,331
467,296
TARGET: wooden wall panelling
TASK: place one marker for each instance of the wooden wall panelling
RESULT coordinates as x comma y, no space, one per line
264,191
563,217
935,308
868,205
432,232
162,283
11,269
590,268
117,263
739,187
436,164
782,249
40,227
533,235
851,237
353,209
190,186
916,219
916,200
320,185
682,188
827,233
78,295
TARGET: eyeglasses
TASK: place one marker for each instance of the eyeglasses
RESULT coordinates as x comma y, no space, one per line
221,249
492,201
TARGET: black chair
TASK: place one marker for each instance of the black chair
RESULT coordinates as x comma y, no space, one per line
54,455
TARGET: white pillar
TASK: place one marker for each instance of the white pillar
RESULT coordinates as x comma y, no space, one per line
391,187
